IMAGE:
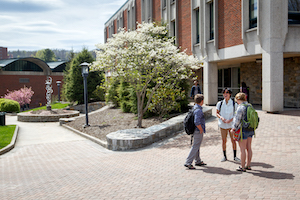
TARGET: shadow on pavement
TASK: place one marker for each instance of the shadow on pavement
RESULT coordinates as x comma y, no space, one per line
271,175
263,165
218,170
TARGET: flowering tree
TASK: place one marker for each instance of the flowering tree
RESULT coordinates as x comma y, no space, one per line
144,57
23,96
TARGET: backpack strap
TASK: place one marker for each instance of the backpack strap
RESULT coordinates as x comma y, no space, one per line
221,105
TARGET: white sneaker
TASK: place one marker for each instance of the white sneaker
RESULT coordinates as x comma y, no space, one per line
237,159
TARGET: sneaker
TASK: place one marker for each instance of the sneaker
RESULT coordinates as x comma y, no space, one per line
200,164
224,159
189,166
241,169
237,159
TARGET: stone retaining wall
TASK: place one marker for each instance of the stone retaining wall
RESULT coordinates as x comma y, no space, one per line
26,117
137,138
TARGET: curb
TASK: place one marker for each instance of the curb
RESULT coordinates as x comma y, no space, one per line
94,139
12,142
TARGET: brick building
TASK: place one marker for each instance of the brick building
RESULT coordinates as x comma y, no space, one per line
251,41
30,72
3,53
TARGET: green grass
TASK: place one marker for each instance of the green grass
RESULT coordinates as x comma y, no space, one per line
53,106
6,134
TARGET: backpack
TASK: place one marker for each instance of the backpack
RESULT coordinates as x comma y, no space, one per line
251,119
189,125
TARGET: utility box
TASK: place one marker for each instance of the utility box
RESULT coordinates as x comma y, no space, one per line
2,118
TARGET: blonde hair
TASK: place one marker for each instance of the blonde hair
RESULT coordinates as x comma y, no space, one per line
240,96
198,98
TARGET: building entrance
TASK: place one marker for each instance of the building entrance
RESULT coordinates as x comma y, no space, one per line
230,78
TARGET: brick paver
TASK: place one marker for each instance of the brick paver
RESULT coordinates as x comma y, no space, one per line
81,169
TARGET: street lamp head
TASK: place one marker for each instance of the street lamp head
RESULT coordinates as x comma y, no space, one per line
85,68
58,83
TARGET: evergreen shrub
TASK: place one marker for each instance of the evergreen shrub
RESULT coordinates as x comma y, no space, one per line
8,105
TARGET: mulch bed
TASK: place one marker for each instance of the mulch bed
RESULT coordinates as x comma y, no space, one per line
108,121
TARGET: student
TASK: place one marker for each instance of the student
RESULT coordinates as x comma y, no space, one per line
225,110
195,89
245,143
199,121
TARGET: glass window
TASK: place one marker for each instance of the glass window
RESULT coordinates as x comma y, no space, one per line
253,13
22,65
164,3
294,12
212,21
197,26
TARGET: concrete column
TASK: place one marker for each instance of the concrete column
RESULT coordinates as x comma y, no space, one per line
210,83
273,29
272,81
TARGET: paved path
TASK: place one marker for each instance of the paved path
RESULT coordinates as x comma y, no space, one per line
50,162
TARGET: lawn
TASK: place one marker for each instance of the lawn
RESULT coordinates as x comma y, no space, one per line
53,106
6,134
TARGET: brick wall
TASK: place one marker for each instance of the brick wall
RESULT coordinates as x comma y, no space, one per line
184,25
251,74
229,23
292,82
3,53
156,10
36,82
125,19
115,26
138,9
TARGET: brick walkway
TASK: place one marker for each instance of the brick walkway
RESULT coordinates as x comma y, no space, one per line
77,168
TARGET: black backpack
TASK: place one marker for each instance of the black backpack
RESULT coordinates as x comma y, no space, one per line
189,125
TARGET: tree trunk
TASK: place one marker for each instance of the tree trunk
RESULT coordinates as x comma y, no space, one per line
140,110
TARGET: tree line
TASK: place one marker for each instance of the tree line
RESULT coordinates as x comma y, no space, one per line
46,54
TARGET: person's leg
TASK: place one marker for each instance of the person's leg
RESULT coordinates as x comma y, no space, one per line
233,142
249,151
224,140
195,148
242,144
197,157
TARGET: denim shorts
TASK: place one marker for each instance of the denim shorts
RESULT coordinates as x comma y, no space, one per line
247,134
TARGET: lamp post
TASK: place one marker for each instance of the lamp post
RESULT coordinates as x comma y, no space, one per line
85,73
58,85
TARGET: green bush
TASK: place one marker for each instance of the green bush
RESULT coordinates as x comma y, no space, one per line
8,105
99,93
112,94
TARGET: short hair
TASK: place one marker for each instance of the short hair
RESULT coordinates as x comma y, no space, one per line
195,81
198,98
228,89
240,96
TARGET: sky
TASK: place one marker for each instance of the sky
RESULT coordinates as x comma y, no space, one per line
54,24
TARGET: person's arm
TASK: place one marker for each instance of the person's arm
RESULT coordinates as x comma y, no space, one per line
197,120
218,112
237,119
200,128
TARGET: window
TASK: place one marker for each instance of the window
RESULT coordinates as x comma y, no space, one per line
173,29
212,21
22,65
164,3
197,26
253,13
294,12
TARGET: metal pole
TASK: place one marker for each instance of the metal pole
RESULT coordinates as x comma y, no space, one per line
58,94
86,102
